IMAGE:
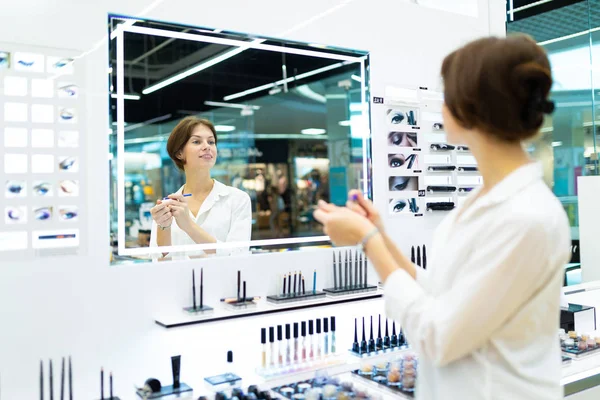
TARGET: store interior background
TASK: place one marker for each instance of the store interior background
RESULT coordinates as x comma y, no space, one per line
104,316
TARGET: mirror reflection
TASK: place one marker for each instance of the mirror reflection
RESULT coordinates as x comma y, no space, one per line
228,143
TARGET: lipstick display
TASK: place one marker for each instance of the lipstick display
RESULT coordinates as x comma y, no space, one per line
242,300
198,305
350,275
373,346
294,289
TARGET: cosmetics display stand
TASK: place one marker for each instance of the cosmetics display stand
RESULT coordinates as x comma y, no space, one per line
350,275
382,382
351,290
166,392
198,310
242,304
295,297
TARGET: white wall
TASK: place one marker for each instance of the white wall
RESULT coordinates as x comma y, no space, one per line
588,188
104,316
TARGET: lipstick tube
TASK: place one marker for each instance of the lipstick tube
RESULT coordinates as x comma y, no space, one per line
272,346
288,345
311,331
303,332
319,339
280,345
326,336
263,342
295,342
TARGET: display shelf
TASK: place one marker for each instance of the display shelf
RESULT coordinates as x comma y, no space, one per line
295,298
180,318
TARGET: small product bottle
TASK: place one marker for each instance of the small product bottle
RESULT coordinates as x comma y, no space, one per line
280,345
319,339
288,344
295,342
333,349
311,332
263,342
272,346
303,332
326,336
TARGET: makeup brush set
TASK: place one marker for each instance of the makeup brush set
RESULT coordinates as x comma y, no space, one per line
379,344
350,274
294,289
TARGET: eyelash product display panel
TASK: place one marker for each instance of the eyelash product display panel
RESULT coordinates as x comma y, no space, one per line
41,115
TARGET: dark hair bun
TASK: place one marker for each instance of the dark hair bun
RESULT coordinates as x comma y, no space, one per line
499,86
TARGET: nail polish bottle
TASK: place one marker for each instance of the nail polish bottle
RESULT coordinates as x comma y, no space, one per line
272,346
386,338
326,336
379,342
304,344
319,338
288,344
371,340
295,342
263,342
355,345
363,344
311,332
333,348
280,345
394,341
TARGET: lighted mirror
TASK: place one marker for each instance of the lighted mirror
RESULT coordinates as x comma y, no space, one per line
222,143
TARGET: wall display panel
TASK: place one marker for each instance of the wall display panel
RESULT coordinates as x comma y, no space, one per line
41,108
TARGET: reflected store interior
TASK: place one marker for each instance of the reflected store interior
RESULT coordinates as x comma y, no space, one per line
290,127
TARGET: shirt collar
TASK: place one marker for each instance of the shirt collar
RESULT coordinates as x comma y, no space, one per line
512,184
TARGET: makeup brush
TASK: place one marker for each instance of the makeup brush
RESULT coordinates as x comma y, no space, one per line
371,340
303,286
350,270
355,346
366,271
201,289
70,380
284,279
111,386
295,282
386,338
62,380
424,257
290,283
101,383
315,282
412,254
419,256
51,383
363,344
356,276
239,284
244,291
379,343
360,274
394,341
41,380
346,271
340,270
335,285
194,289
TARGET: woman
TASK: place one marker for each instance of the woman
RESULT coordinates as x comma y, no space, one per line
203,210
484,316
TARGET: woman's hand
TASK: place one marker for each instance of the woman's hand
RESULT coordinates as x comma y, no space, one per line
161,214
177,203
357,203
344,227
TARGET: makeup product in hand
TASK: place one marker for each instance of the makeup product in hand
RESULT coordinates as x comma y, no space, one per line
345,281
296,289
242,300
198,306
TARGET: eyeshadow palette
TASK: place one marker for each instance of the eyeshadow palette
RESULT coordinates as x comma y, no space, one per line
577,346
323,388
399,376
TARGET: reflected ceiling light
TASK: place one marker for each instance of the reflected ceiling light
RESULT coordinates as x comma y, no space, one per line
537,3
274,91
571,36
224,128
288,80
344,123
356,78
126,96
231,105
200,67
556,144
128,23
307,92
318,46
313,131
110,70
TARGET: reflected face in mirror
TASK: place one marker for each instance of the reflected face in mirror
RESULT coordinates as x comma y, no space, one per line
200,151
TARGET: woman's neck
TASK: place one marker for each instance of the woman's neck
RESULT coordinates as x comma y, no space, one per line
198,182
496,159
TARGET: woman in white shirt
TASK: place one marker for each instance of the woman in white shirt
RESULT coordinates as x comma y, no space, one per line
203,210
484,316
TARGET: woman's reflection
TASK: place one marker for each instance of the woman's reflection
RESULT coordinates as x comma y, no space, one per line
203,210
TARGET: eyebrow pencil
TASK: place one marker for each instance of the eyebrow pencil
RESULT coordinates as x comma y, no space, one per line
419,256
244,291
62,380
111,386
360,272
290,283
335,285
315,282
346,271
70,380
284,279
412,255
51,376
295,281
194,289
366,270
239,284
201,288
350,270
424,257
303,286
101,383
340,270
41,380
356,277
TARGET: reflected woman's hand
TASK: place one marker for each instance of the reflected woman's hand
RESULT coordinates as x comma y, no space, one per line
357,203
161,214
177,203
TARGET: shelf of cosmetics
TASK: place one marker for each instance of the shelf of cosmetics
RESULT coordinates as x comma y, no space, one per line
293,288
577,345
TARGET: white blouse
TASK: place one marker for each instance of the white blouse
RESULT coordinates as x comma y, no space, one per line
225,214
484,316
